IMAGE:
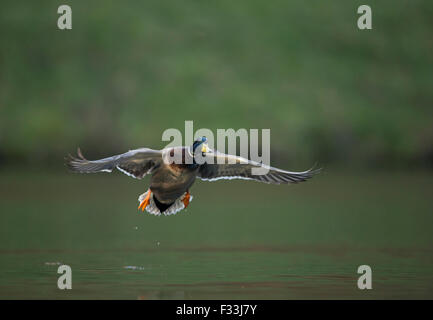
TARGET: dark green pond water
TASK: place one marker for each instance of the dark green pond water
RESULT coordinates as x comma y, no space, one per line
238,239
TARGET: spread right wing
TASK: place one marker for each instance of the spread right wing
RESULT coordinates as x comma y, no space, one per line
135,163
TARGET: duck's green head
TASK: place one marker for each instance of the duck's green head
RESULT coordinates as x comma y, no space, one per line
200,142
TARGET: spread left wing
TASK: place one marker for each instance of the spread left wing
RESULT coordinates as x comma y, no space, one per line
135,163
224,166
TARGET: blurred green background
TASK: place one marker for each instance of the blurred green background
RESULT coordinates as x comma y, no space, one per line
126,72
360,103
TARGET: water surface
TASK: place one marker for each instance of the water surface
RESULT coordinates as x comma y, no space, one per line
237,239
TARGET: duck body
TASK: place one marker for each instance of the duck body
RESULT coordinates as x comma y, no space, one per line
170,181
174,170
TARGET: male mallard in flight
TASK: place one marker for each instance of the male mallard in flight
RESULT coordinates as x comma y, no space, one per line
170,182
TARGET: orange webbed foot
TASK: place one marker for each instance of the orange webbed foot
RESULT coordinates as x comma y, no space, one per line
145,202
185,199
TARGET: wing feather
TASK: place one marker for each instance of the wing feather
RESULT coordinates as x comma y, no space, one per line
135,163
223,166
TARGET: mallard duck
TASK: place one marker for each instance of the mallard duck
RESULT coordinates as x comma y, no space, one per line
171,180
